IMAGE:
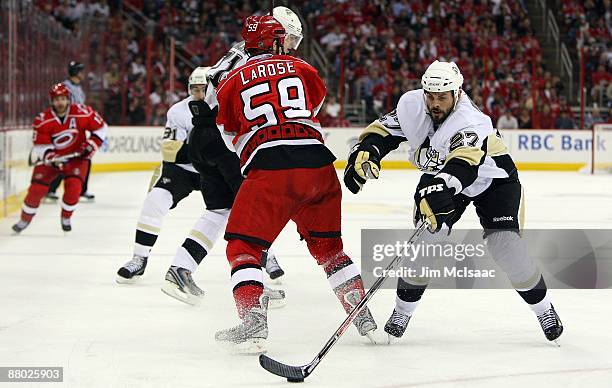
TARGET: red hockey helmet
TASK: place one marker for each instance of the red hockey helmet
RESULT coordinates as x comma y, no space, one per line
59,90
260,32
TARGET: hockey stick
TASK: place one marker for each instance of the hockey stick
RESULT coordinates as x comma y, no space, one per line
58,160
299,373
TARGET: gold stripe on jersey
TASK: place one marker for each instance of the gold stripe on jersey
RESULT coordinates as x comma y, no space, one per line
169,150
155,177
376,127
472,155
496,146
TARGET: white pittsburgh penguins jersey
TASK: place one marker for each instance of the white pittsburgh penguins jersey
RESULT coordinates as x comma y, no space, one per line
178,126
462,135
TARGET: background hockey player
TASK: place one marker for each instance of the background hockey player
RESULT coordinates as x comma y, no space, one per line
464,161
61,147
172,181
73,83
269,105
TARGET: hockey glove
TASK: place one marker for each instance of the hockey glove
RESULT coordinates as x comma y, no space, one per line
435,204
363,164
203,116
88,149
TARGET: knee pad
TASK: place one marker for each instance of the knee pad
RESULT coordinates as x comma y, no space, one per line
240,253
156,206
324,250
509,251
35,194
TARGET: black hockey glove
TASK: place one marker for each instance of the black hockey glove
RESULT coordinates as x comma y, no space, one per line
203,116
363,164
435,204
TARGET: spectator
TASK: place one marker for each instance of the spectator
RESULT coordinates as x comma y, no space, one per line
565,121
332,107
524,119
593,117
136,112
333,39
507,121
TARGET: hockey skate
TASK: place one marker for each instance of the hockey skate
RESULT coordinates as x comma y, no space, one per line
19,226
180,285
396,325
276,297
88,197
132,270
551,324
50,197
364,322
249,337
273,270
66,225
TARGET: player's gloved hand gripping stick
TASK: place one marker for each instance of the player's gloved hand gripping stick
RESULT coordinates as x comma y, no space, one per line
435,204
299,373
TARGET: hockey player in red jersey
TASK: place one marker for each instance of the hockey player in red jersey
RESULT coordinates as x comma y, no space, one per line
270,105
61,146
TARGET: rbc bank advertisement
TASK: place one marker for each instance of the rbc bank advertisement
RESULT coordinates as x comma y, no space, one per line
566,258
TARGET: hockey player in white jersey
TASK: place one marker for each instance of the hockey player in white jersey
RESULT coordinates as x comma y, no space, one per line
172,181
464,160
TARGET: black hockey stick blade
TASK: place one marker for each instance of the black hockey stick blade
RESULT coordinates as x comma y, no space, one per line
291,373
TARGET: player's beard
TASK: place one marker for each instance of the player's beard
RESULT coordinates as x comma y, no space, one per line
439,116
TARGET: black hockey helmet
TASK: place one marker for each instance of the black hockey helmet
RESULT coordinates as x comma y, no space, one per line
74,67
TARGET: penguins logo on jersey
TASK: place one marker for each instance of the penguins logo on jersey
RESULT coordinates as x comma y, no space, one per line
428,159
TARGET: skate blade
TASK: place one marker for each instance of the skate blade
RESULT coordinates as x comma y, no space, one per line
172,291
276,303
252,347
276,282
370,336
122,280
390,339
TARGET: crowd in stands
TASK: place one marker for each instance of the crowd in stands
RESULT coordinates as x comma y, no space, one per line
380,48
589,23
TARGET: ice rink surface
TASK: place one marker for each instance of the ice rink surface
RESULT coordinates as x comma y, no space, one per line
60,305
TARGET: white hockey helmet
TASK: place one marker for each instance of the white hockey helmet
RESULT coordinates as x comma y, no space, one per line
443,77
291,23
198,76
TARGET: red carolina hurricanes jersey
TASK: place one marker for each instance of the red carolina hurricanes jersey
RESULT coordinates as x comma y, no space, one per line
270,106
68,134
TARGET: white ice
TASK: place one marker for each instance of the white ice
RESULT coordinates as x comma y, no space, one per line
60,305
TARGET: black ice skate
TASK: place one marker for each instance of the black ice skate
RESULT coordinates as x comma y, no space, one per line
249,337
180,285
551,324
50,197
396,325
272,268
66,226
87,197
20,226
132,270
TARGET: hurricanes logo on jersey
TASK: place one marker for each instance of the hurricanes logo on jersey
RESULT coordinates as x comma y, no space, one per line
65,138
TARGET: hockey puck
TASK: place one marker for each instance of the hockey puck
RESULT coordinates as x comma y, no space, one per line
295,380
